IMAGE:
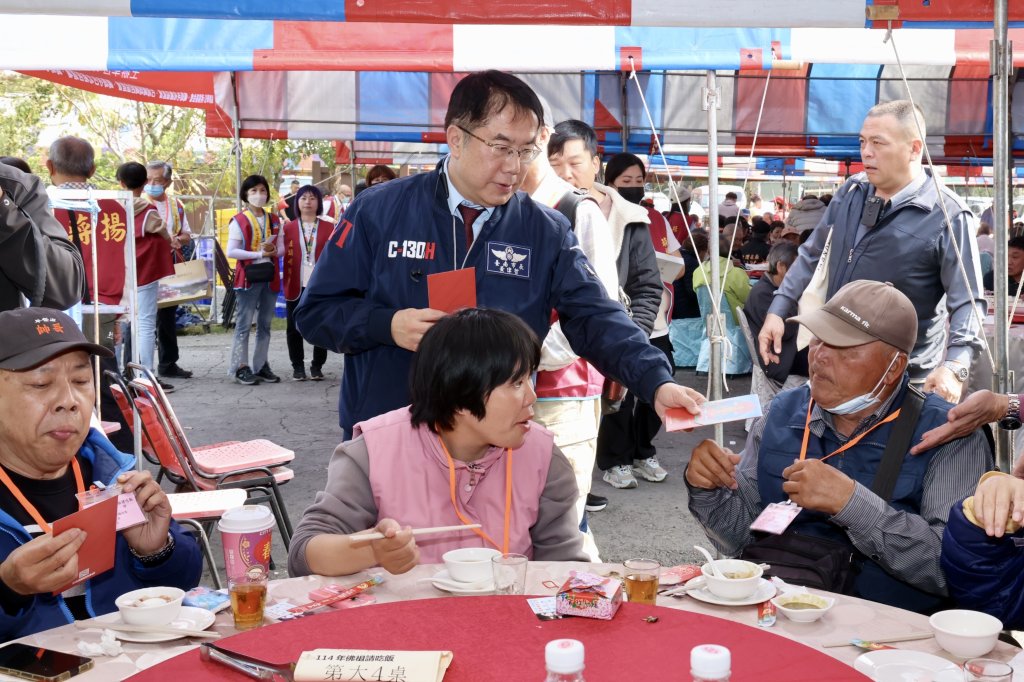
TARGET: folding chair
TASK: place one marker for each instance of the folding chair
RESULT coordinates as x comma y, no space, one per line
229,465
196,510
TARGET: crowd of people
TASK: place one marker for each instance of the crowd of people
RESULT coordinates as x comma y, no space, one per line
863,323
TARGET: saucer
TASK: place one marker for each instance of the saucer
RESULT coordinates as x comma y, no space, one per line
943,670
765,591
447,585
189,618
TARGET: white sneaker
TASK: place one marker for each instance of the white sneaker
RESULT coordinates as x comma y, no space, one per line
649,469
620,477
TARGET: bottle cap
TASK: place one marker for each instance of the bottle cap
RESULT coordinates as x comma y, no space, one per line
710,660
564,656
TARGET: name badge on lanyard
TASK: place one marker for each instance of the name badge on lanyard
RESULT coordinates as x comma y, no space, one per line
776,517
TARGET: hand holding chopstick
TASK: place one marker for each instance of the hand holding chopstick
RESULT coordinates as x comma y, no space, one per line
362,537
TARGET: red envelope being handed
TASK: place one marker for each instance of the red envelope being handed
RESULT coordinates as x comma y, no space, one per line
453,290
96,555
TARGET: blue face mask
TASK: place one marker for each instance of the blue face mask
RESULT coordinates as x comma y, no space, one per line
154,190
863,401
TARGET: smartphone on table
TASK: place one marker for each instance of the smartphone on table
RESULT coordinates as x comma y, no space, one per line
36,663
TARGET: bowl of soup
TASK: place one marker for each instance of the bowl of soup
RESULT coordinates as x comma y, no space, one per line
150,605
803,607
732,579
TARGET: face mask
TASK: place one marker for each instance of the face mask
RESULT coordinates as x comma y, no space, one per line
154,190
863,401
257,198
631,194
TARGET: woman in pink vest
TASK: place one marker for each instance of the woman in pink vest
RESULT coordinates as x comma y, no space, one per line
253,239
303,240
465,451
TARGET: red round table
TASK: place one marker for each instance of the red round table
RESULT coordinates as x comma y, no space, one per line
499,639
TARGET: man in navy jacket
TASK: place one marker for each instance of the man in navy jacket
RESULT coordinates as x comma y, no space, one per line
368,298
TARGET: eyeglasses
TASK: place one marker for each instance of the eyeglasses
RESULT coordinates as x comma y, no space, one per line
503,151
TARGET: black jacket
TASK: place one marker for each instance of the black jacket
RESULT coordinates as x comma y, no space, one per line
791,361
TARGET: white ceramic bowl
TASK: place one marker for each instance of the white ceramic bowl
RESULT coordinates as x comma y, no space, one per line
803,615
964,633
150,605
469,564
732,588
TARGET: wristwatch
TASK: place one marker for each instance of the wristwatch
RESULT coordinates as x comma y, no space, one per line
958,370
1011,421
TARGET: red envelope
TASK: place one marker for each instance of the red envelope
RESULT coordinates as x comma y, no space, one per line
453,290
96,555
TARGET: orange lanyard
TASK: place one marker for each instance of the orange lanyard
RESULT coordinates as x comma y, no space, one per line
508,498
28,506
849,444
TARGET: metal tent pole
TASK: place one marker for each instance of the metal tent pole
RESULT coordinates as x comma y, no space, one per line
715,323
236,119
1001,52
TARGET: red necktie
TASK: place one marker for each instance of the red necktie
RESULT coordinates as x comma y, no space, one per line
469,216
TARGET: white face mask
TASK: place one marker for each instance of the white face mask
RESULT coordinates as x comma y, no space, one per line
863,401
257,198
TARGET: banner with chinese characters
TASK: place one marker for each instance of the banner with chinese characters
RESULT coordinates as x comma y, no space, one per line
107,284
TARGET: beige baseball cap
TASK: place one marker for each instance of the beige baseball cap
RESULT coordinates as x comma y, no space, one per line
864,311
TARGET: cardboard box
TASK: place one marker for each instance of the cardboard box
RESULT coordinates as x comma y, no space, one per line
589,595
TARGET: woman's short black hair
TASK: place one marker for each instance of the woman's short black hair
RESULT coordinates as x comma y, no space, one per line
315,191
619,164
464,357
249,183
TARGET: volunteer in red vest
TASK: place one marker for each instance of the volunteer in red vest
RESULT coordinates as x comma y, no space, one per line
464,452
152,257
159,179
335,204
303,240
253,240
633,428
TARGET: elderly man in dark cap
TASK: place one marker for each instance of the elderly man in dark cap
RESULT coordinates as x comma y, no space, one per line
49,455
869,516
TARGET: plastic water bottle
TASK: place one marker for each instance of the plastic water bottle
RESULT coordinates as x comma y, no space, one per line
710,663
564,660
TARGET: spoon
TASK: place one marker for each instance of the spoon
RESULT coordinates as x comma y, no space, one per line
712,569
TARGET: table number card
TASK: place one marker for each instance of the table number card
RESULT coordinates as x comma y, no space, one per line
359,664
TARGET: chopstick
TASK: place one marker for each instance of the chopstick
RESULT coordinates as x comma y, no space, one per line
881,640
359,537
152,629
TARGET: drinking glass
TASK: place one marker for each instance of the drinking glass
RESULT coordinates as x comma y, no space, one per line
642,580
509,573
987,670
248,599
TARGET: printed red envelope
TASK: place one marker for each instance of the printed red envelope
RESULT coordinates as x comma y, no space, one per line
453,290
96,555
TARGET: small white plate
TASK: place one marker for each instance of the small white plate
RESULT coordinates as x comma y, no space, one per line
189,618
765,591
943,670
448,585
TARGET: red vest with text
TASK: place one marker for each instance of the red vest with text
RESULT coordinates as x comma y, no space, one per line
152,257
659,235
273,226
111,230
293,253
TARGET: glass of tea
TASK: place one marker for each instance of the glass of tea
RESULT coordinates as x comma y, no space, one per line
248,598
642,580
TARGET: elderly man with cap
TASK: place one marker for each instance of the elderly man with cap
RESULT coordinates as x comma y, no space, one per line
838,450
49,455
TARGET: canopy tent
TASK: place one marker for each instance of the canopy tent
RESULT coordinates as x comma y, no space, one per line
398,78
702,13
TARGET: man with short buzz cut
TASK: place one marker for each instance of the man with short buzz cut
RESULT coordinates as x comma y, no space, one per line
159,182
838,448
368,296
888,224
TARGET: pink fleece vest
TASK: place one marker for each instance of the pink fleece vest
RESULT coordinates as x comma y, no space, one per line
409,480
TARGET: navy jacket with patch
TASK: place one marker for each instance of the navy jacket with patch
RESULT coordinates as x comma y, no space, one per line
527,262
